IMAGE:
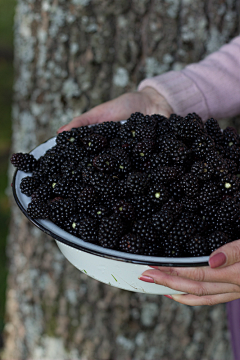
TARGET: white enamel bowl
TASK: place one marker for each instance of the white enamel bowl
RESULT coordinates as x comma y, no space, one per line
111,267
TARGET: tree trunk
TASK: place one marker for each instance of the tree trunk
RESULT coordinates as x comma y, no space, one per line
69,57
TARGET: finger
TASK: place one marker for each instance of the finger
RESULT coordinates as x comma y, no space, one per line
229,274
189,286
193,300
114,110
226,255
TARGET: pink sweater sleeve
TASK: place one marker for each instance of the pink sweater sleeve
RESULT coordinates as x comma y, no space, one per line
211,88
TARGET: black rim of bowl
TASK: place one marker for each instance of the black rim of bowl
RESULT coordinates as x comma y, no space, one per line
158,262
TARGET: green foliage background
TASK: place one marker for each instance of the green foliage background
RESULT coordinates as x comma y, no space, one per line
6,81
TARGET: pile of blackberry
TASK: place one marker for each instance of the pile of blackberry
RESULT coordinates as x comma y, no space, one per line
152,186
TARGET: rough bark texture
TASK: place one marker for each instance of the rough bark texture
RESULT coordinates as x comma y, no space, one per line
70,56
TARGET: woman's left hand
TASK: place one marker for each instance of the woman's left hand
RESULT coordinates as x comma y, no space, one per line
210,285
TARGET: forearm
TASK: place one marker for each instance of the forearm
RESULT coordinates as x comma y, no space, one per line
211,87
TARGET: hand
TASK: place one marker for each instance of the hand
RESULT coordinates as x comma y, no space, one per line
209,285
147,101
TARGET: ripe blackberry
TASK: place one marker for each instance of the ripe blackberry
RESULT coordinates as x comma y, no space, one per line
83,131
124,209
209,194
130,243
178,237
233,153
163,128
203,170
232,166
163,221
164,174
38,210
229,184
98,212
143,150
143,206
137,182
173,122
121,189
230,137
146,131
127,131
72,224
197,246
188,129
145,230
190,204
107,129
104,162
62,209
172,248
43,193
24,162
94,143
218,163
28,185
176,150
162,159
174,208
62,187
88,230
158,194
110,231
229,210
104,184
216,240
213,129
52,162
202,145
209,214
66,138
115,143
75,153
86,199
122,161
190,185
175,190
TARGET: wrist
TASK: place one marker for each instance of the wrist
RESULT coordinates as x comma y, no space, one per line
156,103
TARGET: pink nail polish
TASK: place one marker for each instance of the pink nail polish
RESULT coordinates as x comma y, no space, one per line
146,278
217,260
168,296
61,129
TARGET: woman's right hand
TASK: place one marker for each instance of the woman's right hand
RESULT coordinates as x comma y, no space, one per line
147,101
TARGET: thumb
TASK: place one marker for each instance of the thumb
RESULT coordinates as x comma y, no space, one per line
226,255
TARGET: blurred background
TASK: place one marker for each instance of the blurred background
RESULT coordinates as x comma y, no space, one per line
6,82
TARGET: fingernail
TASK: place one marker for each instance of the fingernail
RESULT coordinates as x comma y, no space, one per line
168,296
217,260
61,128
146,278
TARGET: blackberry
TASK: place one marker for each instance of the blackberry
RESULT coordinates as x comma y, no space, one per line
104,162
43,193
104,184
146,131
197,246
62,209
28,185
124,209
94,143
216,240
83,131
143,206
115,143
209,194
163,221
172,207
107,129
72,223
176,150
98,212
158,194
190,204
130,243
230,137
145,230
61,187
143,150
213,129
202,145
137,182
122,161
218,163
203,170
88,230
229,210
38,210
110,231
86,199
188,129
233,153
175,190
232,166
121,189
66,138
190,185
164,174
75,190
127,131
209,214
75,153
173,122
229,184
24,162
178,237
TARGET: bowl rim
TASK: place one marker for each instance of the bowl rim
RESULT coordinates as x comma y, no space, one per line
98,250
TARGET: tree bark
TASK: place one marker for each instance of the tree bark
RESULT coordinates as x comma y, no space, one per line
69,57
